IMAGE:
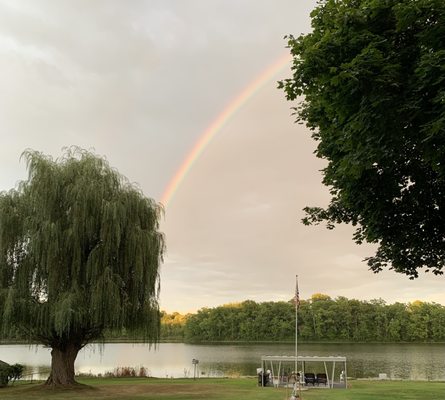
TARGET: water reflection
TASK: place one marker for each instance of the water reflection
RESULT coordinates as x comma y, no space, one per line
398,361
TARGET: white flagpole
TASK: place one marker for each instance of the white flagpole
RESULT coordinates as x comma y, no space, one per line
297,301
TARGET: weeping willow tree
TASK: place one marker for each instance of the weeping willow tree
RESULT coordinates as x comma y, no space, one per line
80,254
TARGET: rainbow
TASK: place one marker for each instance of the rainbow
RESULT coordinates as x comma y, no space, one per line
228,112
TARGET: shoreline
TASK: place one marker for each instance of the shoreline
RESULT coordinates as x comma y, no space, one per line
221,342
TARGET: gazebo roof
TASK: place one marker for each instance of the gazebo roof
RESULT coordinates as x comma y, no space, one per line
304,358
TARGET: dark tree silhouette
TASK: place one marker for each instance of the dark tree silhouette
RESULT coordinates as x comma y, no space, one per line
372,79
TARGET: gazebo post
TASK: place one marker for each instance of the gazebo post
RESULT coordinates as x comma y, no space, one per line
262,371
326,371
333,372
271,371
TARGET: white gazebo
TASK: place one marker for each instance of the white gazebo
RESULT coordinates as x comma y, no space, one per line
278,364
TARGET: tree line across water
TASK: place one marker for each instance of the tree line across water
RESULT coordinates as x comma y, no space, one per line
320,318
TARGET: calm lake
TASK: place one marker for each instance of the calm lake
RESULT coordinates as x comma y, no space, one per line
398,361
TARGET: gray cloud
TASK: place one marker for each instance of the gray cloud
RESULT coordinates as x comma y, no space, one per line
139,81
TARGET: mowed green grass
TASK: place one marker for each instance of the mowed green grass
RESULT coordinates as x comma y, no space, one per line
223,389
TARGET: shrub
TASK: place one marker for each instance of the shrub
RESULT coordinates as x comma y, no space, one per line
9,373
128,372
15,372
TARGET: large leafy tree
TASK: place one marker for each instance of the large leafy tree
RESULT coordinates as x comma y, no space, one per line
80,253
371,76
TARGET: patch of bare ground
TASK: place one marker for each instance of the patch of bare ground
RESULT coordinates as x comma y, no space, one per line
181,391
123,391
45,391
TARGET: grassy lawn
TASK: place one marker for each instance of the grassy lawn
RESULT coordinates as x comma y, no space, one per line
223,389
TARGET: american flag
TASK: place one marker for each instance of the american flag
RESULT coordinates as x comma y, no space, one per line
297,294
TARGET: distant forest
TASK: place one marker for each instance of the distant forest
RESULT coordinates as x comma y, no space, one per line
320,318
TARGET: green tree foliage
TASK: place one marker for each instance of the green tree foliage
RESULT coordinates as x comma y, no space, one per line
372,79
172,326
320,318
243,321
80,252
4,373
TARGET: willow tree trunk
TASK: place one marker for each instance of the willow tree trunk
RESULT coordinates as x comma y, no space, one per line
62,365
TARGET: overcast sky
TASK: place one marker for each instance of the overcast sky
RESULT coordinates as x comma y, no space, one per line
139,82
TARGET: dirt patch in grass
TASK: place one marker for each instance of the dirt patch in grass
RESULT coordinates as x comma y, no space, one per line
41,391
111,392
157,388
